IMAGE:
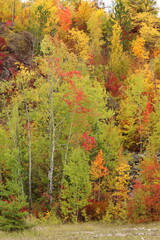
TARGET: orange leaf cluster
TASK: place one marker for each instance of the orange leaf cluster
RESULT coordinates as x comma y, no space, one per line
98,169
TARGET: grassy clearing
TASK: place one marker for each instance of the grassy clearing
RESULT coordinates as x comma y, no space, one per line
87,231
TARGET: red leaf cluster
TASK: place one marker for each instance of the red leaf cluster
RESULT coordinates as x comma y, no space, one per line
148,110
75,98
8,23
88,142
112,85
2,55
146,192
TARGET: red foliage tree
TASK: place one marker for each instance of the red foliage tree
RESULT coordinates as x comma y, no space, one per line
144,205
88,142
148,110
112,85
64,15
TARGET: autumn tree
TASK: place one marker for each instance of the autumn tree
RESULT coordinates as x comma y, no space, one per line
122,16
117,207
139,6
81,105
80,43
98,171
9,10
95,33
64,15
144,204
131,112
83,14
139,50
117,56
76,186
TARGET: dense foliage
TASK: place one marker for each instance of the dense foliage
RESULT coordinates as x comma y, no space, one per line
79,111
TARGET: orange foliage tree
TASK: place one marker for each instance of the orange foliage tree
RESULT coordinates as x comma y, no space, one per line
98,171
98,203
64,15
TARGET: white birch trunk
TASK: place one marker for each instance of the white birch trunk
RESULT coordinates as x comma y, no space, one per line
52,139
30,156
51,168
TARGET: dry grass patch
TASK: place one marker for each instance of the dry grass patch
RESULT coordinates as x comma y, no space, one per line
87,231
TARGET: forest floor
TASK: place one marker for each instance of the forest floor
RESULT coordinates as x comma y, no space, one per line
87,231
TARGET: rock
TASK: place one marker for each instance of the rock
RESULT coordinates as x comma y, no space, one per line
20,45
18,49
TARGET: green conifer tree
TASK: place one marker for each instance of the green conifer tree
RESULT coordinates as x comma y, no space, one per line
13,205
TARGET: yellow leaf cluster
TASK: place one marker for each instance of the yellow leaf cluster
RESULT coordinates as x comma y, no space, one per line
7,8
138,48
95,32
50,6
84,12
81,43
116,46
122,180
22,20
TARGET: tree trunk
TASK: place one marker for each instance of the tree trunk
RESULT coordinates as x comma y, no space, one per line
52,139
51,168
13,11
30,156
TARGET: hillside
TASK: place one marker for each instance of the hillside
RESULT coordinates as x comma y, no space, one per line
79,111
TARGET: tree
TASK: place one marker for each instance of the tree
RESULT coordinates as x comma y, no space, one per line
43,19
122,16
95,33
64,15
131,112
9,10
98,171
138,49
76,186
117,207
13,205
83,14
117,56
116,47
139,6
80,43
146,25
144,205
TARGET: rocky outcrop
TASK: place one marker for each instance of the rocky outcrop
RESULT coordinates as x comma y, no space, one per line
17,48
20,45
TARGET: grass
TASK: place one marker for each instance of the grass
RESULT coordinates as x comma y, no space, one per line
87,231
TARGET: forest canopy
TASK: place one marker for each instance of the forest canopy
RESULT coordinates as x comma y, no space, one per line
79,111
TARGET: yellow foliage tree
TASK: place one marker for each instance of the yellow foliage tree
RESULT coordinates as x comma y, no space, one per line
148,29
95,33
81,43
138,49
22,19
116,47
83,14
43,16
9,9
117,208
